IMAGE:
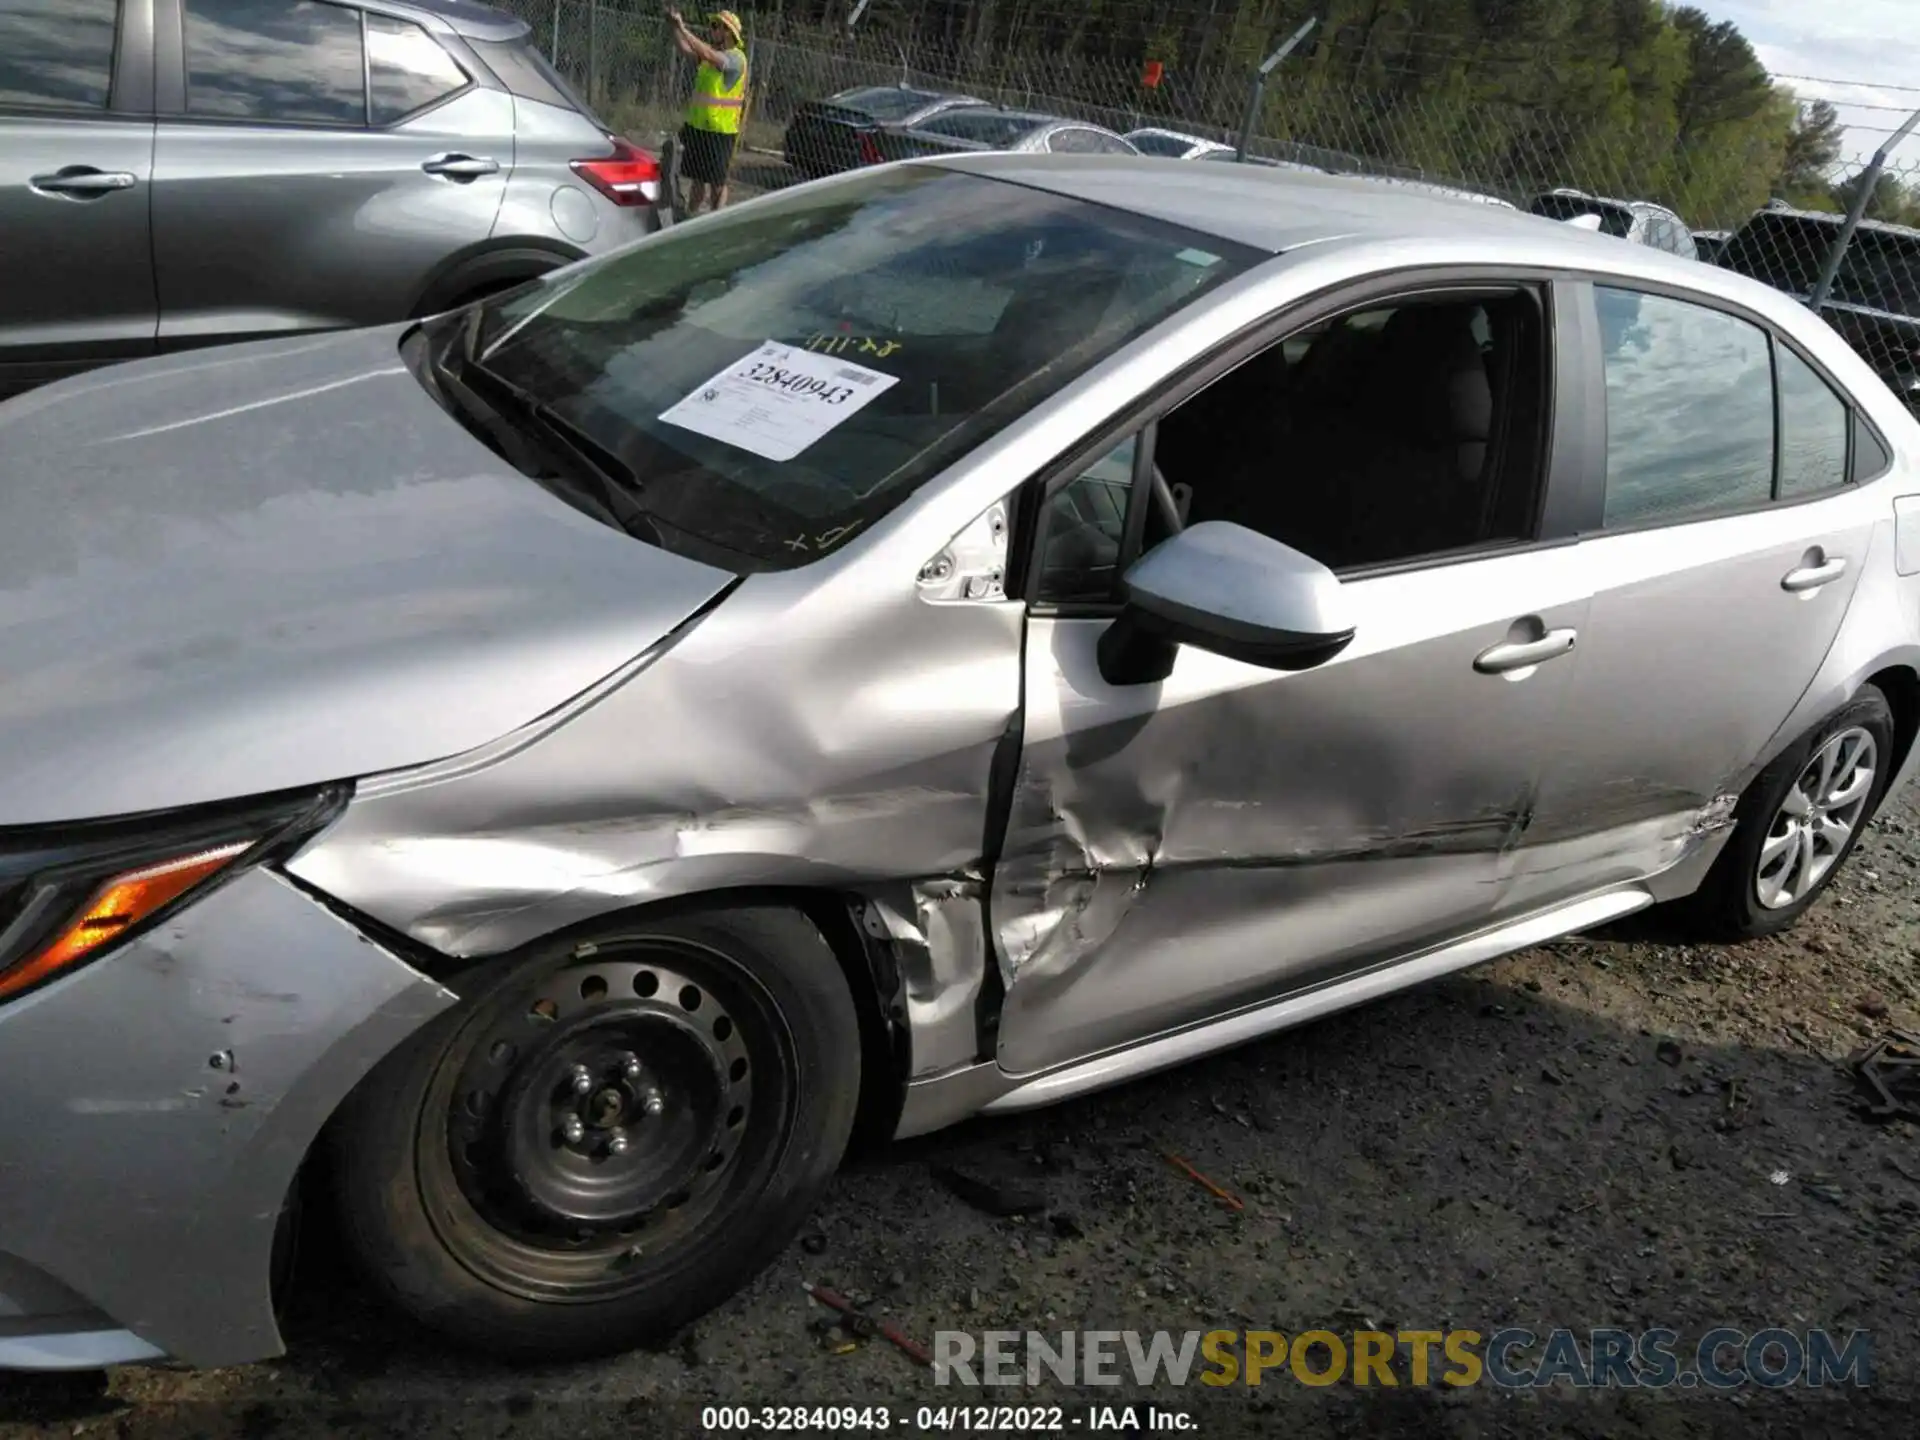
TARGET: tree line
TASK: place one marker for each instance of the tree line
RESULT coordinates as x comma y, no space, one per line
1632,98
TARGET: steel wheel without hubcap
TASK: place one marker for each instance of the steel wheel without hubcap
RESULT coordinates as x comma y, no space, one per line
598,1117
1817,819
607,1136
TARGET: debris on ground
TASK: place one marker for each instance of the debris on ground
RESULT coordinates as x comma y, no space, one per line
1224,1196
999,1198
1889,1071
857,1322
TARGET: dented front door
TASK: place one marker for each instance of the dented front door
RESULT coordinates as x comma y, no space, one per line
1178,851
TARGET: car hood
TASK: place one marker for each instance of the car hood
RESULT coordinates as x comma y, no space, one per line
260,567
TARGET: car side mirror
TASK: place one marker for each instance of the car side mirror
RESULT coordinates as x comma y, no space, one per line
1235,592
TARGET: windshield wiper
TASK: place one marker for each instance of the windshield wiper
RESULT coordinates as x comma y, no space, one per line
592,473
477,417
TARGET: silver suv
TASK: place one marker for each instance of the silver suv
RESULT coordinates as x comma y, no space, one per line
181,172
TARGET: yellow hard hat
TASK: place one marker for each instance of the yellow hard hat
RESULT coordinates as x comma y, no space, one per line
732,23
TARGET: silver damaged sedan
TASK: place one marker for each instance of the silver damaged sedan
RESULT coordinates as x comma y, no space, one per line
938,640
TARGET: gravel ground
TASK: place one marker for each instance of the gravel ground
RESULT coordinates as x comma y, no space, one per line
1591,1133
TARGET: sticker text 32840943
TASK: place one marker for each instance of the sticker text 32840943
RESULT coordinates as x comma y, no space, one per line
796,382
778,400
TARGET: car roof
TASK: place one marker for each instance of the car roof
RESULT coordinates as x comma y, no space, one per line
899,89
1032,116
463,17
1266,208
1434,187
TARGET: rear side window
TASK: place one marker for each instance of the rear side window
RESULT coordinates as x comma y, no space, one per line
988,129
1689,409
1664,232
1102,143
57,54
1075,142
275,60
1813,429
1171,146
526,73
406,69
1871,458
888,104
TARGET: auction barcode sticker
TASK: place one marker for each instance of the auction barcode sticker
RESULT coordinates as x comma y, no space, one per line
778,400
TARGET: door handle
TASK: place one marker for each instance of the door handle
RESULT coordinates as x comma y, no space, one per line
1812,577
461,167
1518,655
82,182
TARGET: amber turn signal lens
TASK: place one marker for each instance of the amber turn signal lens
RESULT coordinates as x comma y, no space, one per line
116,907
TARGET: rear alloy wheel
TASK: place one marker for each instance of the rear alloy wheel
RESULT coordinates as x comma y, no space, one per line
1799,821
604,1141
1817,820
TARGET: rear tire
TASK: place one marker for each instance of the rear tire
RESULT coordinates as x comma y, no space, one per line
1798,822
603,1141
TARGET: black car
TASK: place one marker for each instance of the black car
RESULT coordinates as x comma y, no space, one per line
827,136
1875,299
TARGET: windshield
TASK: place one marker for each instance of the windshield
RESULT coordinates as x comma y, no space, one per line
888,104
769,381
1881,270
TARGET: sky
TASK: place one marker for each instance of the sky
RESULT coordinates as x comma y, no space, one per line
1864,55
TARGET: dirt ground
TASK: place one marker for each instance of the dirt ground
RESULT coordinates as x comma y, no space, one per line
1615,1130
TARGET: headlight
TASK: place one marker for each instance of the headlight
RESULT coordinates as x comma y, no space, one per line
70,893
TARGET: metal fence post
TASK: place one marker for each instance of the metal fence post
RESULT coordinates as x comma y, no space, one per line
593,52
1868,182
553,53
669,209
1256,92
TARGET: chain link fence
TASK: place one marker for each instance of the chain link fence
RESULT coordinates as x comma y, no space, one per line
1685,143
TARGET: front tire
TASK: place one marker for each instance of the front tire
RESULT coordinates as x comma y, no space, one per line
606,1139
1798,822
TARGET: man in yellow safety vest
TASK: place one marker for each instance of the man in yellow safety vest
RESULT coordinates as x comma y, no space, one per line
713,115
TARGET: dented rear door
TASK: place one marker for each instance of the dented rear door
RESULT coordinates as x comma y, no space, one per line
1178,851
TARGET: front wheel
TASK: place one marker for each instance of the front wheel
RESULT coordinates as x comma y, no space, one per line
1798,821
606,1139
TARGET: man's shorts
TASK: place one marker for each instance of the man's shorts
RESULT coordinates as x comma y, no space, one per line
705,156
